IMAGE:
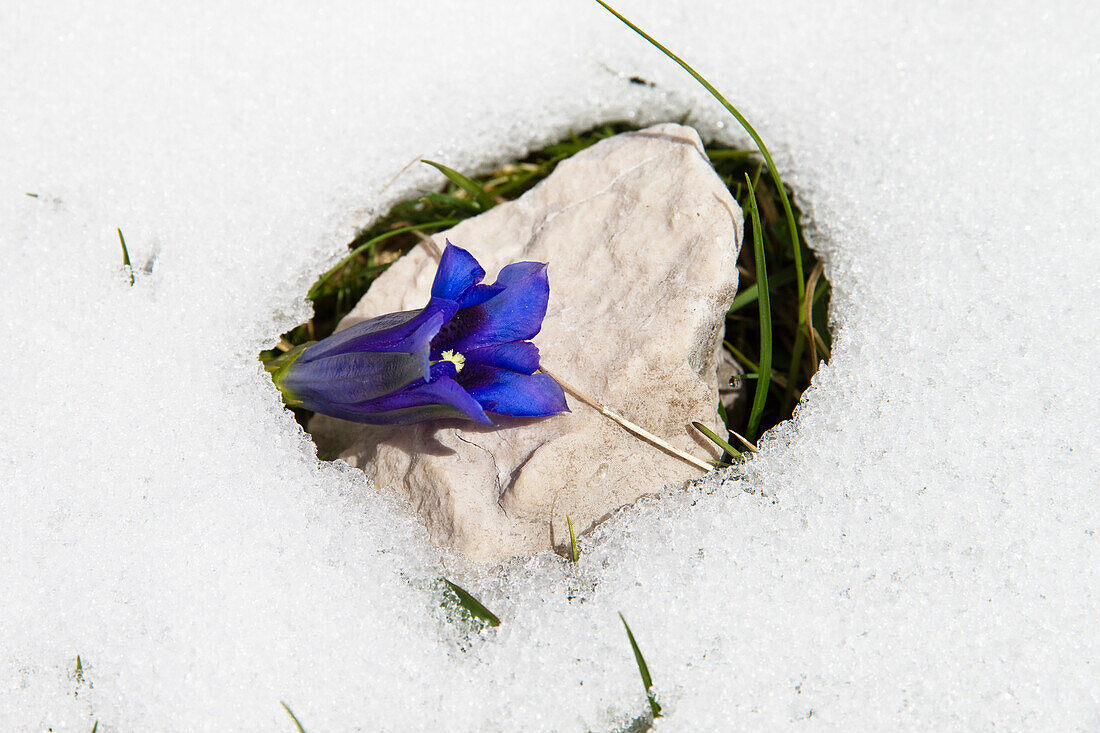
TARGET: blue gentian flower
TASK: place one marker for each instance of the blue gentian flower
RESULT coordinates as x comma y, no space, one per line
465,354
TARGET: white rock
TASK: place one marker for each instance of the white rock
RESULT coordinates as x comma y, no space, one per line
642,238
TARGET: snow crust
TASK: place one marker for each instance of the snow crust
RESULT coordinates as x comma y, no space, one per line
916,549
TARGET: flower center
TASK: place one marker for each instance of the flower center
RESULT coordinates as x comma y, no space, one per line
455,358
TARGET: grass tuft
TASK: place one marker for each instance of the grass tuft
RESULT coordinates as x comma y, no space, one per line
787,209
764,370
368,248
804,329
477,194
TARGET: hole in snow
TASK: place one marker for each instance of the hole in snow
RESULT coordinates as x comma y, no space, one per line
372,251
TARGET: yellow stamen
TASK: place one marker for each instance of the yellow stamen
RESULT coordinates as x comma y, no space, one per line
455,358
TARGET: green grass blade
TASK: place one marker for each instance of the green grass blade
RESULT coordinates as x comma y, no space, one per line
95,726
725,154
374,242
748,295
722,414
765,308
293,717
643,670
457,204
787,210
125,256
572,541
477,194
745,361
473,605
717,441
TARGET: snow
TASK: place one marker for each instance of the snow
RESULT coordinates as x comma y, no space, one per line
916,549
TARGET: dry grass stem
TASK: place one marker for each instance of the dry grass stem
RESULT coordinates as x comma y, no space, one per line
815,341
630,426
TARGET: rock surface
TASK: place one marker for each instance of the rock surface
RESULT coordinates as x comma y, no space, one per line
641,238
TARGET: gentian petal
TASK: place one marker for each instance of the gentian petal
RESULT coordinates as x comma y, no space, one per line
354,377
441,397
520,272
510,393
407,331
516,356
458,272
478,294
514,314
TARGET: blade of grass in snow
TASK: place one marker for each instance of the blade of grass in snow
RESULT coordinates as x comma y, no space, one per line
764,302
95,726
643,670
125,257
293,717
717,441
483,200
572,541
473,605
372,243
787,210
796,247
